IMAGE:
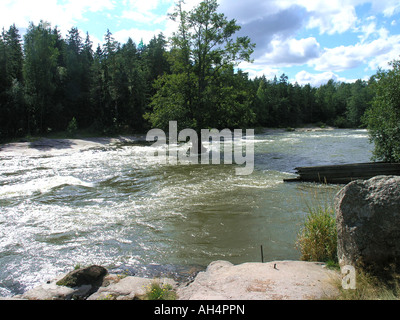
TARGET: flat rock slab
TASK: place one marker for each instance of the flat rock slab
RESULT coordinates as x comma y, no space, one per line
128,288
280,280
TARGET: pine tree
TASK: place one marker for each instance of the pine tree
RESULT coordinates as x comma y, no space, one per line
14,54
41,76
131,84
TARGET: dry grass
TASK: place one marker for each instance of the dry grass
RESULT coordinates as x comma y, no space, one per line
370,287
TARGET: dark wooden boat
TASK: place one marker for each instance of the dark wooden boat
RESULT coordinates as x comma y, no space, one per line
343,174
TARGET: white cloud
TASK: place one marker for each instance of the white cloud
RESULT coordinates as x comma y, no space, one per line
136,35
21,12
391,9
371,31
382,60
259,70
63,14
143,17
330,17
142,6
333,20
367,31
250,10
375,53
292,51
80,6
316,80
143,11
334,16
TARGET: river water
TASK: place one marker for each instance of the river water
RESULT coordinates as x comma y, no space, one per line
115,207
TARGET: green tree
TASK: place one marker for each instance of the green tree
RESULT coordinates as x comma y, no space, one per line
97,89
309,104
262,110
78,62
106,94
86,57
40,74
14,54
357,103
156,58
130,84
383,116
326,99
56,119
119,89
12,102
74,74
202,57
4,86
341,99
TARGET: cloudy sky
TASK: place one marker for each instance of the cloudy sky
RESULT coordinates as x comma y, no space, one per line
311,41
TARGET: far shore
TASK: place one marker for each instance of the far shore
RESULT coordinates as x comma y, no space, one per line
63,143
41,145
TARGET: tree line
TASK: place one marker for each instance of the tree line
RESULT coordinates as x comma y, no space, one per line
50,83
338,104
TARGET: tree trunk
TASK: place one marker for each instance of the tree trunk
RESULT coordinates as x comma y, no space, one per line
200,148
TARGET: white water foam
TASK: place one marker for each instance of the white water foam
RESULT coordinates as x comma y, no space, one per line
41,185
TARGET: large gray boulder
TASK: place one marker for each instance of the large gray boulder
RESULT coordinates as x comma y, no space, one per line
368,222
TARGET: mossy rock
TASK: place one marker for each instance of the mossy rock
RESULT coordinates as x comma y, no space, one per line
92,275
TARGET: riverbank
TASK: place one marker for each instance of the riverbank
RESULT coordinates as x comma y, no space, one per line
276,280
57,146
308,128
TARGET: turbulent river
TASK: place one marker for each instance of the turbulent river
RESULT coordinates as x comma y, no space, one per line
115,207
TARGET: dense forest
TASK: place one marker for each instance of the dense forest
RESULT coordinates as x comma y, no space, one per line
51,83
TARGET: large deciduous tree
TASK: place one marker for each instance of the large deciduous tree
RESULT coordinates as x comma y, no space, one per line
203,87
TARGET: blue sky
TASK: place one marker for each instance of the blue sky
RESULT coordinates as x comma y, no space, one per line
311,41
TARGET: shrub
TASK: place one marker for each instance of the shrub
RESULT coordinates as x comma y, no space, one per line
341,122
72,126
160,292
317,240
